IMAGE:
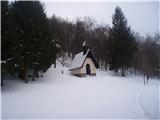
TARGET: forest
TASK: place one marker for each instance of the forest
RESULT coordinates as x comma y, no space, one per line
31,42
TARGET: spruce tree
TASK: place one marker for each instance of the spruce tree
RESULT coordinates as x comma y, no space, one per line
35,38
4,39
121,44
9,49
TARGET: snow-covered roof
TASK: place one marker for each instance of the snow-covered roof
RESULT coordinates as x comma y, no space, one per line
78,60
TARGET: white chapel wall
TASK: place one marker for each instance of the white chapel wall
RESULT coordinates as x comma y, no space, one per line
92,66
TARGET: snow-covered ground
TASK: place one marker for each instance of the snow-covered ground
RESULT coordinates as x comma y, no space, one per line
58,95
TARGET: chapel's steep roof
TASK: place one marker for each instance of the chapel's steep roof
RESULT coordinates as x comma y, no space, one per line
79,59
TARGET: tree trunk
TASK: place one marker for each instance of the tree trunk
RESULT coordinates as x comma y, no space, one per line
144,80
37,74
23,75
33,77
147,79
2,80
55,64
122,72
106,68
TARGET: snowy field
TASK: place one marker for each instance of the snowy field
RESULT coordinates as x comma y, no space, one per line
57,95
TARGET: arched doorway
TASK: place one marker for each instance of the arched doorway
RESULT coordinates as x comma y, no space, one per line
88,69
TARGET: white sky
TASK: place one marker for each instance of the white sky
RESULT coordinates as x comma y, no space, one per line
143,17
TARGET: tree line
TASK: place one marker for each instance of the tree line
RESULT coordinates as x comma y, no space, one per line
117,48
31,41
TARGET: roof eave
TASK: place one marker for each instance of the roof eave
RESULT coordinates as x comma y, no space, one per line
75,68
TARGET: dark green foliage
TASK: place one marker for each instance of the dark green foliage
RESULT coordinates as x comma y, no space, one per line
9,40
121,44
35,36
4,41
29,40
5,51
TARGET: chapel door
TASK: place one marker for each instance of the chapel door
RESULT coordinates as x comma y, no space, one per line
88,69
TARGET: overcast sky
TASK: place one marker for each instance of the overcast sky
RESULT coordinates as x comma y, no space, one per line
143,17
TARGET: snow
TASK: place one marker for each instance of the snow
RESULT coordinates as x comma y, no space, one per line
39,52
3,61
78,60
21,45
84,43
58,95
57,45
16,65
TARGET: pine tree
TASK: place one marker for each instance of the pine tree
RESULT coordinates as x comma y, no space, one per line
4,31
35,38
9,40
121,43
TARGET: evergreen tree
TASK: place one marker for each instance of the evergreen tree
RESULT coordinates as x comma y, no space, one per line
121,44
9,40
35,38
50,50
4,31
